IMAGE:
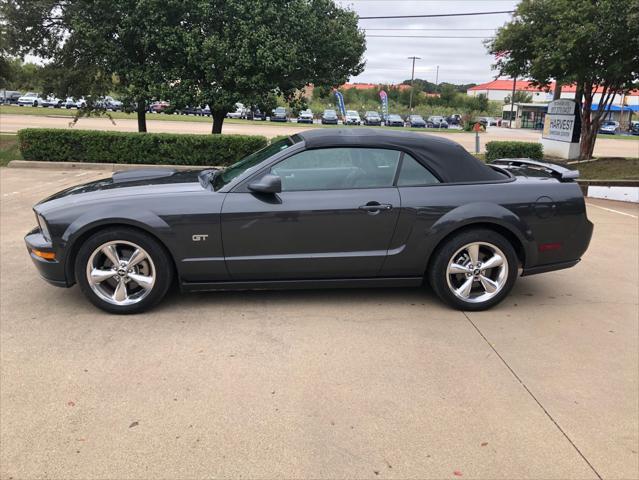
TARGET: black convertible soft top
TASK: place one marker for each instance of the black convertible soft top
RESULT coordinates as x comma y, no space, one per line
448,159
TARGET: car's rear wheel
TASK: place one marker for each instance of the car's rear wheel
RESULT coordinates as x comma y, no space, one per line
474,270
123,270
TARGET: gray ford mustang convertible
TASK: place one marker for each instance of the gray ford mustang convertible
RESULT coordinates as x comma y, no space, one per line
323,208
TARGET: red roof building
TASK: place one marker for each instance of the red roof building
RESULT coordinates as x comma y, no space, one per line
501,88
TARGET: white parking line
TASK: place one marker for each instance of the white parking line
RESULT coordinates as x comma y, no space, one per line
611,210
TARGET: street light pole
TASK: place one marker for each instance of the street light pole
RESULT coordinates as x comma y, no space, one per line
412,79
437,76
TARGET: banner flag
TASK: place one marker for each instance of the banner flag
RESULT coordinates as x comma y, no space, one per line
384,97
340,102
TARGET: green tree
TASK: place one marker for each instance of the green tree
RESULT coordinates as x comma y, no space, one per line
243,51
96,47
520,97
593,44
448,95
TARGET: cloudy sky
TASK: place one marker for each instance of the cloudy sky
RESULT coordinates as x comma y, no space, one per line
459,60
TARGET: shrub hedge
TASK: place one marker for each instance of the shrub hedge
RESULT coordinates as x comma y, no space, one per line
57,145
495,150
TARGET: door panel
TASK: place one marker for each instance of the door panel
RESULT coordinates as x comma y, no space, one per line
308,234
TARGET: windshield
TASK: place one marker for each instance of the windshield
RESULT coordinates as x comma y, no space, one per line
280,110
372,114
330,113
416,117
254,159
352,113
609,123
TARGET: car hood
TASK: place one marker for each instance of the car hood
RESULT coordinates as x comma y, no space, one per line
130,183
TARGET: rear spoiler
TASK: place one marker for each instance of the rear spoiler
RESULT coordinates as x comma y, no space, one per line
562,173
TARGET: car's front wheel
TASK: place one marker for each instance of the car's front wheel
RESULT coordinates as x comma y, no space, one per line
123,270
474,270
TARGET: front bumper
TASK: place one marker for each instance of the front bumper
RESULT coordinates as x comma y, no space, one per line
279,119
51,270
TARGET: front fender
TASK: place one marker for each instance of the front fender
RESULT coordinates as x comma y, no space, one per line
144,219
486,213
141,219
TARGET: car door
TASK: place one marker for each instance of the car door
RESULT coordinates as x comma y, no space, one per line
334,217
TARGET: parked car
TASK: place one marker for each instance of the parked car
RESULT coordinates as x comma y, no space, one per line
487,121
10,96
305,116
609,127
240,111
634,128
372,118
30,99
71,102
279,115
111,103
352,118
454,119
159,106
256,114
393,120
329,117
416,121
323,208
52,101
436,121
188,110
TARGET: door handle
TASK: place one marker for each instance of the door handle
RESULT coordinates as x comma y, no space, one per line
375,207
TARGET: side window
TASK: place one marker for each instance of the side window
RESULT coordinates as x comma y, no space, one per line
414,174
338,169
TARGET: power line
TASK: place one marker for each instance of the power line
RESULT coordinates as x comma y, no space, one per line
422,36
437,15
434,29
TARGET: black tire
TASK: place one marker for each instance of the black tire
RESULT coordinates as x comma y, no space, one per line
437,273
160,262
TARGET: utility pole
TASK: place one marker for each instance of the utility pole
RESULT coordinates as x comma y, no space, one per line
512,103
437,76
412,79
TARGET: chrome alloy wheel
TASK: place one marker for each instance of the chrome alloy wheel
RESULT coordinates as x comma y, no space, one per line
477,272
120,272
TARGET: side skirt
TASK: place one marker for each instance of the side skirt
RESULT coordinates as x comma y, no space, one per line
303,284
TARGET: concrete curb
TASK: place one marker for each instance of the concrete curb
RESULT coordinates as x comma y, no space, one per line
109,167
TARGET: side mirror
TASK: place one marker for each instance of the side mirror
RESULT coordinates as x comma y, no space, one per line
269,183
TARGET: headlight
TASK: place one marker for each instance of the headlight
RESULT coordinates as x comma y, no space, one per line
43,227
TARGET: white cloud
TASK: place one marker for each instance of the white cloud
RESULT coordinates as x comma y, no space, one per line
459,60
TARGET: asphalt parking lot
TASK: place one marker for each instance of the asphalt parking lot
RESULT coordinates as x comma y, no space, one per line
321,384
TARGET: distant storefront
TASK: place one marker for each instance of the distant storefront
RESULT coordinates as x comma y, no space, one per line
526,115
532,115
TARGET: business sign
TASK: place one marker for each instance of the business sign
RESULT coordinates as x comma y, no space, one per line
340,102
384,98
562,122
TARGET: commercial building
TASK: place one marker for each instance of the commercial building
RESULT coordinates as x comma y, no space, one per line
623,109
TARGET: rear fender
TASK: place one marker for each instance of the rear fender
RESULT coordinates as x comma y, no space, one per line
485,213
